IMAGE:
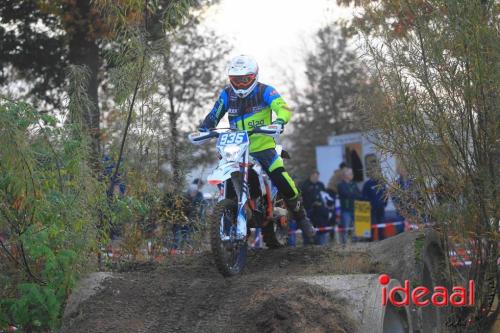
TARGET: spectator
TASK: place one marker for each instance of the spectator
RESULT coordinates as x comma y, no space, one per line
192,204
118,186
332,189
348,193
356,165
195,199
375,192
403,185
311,189
311,194
322,217
335,179
405,196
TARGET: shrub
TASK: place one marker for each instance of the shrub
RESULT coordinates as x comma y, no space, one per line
50,204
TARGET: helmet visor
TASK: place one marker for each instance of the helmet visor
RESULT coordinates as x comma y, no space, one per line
242,81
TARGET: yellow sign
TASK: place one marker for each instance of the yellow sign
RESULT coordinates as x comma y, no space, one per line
362,219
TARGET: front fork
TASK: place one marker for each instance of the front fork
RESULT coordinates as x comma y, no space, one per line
240,184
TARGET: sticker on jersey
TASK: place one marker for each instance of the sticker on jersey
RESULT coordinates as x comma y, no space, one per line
274,92
232,138
255,123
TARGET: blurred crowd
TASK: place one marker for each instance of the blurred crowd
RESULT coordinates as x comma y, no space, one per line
331,208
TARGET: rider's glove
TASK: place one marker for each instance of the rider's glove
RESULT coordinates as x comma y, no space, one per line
202,129
280,122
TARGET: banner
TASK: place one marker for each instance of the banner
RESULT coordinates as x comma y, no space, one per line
362,219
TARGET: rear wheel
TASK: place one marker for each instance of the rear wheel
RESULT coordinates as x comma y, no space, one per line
229,253
275,234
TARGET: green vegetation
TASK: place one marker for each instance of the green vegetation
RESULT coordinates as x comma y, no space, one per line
50,205
435,63
90,116
419,246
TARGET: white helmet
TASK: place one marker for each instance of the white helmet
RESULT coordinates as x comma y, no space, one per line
243,73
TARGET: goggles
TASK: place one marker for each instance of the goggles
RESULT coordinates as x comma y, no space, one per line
242,81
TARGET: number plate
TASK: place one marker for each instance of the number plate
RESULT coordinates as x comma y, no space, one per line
230,138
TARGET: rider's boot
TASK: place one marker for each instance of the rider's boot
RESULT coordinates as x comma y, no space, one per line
300,217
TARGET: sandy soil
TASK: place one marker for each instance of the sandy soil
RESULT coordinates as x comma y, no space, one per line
187,294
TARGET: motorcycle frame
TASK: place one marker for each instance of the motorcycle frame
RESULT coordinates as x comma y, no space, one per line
241,186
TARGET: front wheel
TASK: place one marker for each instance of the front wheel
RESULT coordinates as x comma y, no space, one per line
229,253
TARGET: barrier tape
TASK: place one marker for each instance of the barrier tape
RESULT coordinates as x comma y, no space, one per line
337,228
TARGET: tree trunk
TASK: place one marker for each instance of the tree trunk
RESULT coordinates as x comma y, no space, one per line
84,51
174,137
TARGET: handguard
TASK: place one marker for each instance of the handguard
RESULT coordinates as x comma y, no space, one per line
199,138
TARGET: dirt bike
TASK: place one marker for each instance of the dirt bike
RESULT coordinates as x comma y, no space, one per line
248,198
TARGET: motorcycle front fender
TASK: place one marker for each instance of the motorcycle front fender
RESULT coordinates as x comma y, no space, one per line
222,173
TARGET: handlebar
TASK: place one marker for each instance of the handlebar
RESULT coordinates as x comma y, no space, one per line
259,130
210,134
272,129
200,137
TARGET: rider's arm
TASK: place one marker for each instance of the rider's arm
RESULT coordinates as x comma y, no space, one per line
218,111
277,104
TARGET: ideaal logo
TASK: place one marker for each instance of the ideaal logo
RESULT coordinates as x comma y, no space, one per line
460,296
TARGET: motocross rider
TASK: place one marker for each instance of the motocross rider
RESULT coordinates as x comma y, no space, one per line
248,104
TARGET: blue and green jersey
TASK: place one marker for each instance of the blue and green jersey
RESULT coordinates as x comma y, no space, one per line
254,110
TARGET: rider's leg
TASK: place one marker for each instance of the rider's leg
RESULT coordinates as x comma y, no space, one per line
272,163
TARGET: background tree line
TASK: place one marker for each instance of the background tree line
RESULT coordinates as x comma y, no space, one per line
435,66
329,103
108,90
424,81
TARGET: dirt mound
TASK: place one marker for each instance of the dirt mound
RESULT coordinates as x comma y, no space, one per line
187,294
147,266
301,309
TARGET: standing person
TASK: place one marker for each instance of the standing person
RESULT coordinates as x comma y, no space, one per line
325,215
311,193
335,179
195,199
375,192
348,193
404,185
311,189
175,207
250,103
405,198
191,206
332,190
191,203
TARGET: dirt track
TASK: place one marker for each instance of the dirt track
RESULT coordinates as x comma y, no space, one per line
187,294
